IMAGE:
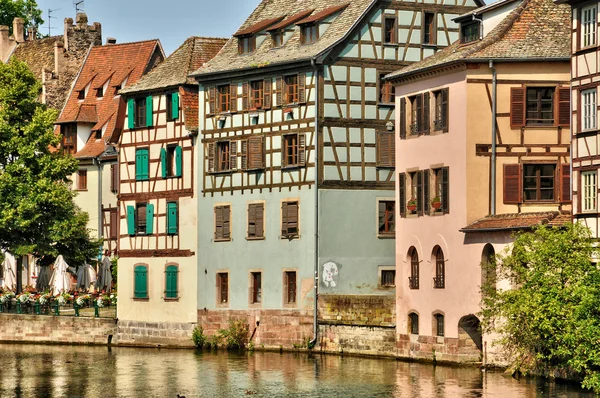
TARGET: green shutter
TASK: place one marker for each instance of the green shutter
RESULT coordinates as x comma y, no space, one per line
163,162
131,220
141,164
149,218
178,161
171,218
140,289
131,114
175,106
171,282
149,111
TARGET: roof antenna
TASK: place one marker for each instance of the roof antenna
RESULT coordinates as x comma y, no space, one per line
50,18
76,4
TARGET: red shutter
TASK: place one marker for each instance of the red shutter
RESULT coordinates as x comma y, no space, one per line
565,182
267,99
301,88
512,183
402,118
402,194
517,107
564,106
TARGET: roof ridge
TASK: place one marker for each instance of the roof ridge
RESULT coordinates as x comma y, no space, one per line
127,43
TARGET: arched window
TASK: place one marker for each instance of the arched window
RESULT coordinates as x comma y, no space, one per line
438,324
413,323
439,280
413,279
171,281
488,269
140,281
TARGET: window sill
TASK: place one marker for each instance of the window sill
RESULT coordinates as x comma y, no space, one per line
386,236
540,126
289,237
255,238
587,49
140,299
174,299
291,168
141,179
81,189
393,45
170,177
588,131
222,240
430,45
290,305
386,104
386,287
254,170
386,167
255,305
222,305
222,171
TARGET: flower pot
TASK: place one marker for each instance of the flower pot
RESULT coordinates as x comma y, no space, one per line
436,205
411,207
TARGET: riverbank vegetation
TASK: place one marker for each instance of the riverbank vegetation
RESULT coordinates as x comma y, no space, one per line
233,337
549,318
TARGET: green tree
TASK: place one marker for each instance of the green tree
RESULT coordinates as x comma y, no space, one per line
37,213
26,9
550,317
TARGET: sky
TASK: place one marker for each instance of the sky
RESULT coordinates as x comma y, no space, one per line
171,21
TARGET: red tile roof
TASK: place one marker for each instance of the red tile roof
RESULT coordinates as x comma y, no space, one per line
114,62
322,14
257,27
515,221
293,19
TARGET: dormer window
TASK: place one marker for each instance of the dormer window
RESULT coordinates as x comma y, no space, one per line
246,44
309,33
81,94
277,37
469,32
100,92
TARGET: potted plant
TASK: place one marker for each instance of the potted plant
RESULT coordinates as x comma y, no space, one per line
436,203
412,205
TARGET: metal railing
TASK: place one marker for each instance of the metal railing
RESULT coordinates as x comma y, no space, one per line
413,282
438,282
52,308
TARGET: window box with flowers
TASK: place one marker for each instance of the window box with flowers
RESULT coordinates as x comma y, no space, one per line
436,203
411,205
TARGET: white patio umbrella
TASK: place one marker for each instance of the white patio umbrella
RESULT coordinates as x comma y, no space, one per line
60,282
9,266
43,278
86,276
105,276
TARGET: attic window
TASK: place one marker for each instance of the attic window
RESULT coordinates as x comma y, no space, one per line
100,92
246,44
81,94
277,36
309,33
98,134
469,32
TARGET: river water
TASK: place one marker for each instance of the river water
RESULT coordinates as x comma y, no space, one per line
65,371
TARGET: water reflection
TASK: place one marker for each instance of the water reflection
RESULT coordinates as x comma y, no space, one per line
61,371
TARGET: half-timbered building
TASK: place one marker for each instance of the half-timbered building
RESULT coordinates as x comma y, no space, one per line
483,150
297,165
157,202
91,122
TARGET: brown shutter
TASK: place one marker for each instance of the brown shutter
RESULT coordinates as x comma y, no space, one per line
233,97
232,155
301,88
278,91
251,220
565,182
245,96
402,118
445,109
256,156
426,177
292,216
218,222
211,158
517,107
114,177
259,220
244,154
114,221
426,120
445,190
419,198
381,150
392,147
512,183
402,194
564,106
226,223
381,216
284,218
301,149
212,95
418,103
267,97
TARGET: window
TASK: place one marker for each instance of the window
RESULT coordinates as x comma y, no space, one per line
293,150
140,282
277,37
419,123
386,217
439,324
172,218
390,30
82,180
114,178
223,287
540,105
255,288
291,89
81,94
590,109
141,164
441,110
388,278
429,31
289,219
222,223
441,195
140,112
413,323
588,25
69,139
413,279
309,33
171,159
289,280
171,282
140,218
488,269
172,102
256,94
100,92
386,150
246,44
223,98
415,195
589,182
538,182
387,90
223,156
98,134
469,32
256,221
253,157
440,268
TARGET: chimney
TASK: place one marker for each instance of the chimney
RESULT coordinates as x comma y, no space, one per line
59,58
19,30
32,33
68,28
111,40
5,42
81,19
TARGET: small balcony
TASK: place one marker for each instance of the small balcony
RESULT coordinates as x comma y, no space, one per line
414,128
438,124
438,282
413,282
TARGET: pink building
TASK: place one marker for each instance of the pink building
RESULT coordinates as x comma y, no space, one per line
465,184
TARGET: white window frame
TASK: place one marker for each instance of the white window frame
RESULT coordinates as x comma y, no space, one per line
589,191
589,109
588,25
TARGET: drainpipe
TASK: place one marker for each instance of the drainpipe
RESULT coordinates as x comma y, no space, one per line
493,176
480,20
96,161
313,342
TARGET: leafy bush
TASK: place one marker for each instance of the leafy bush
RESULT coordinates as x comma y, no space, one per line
113,270
198,337
235,336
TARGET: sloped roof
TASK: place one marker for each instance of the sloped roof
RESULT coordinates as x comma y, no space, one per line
534,30
37,54
228,58
101,62
517,221
291,19
174,71
257,27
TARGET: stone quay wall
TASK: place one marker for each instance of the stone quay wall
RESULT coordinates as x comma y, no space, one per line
154,334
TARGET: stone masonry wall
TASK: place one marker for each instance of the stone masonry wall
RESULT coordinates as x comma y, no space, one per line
55,329
362,310
363,340
442,349
154,334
